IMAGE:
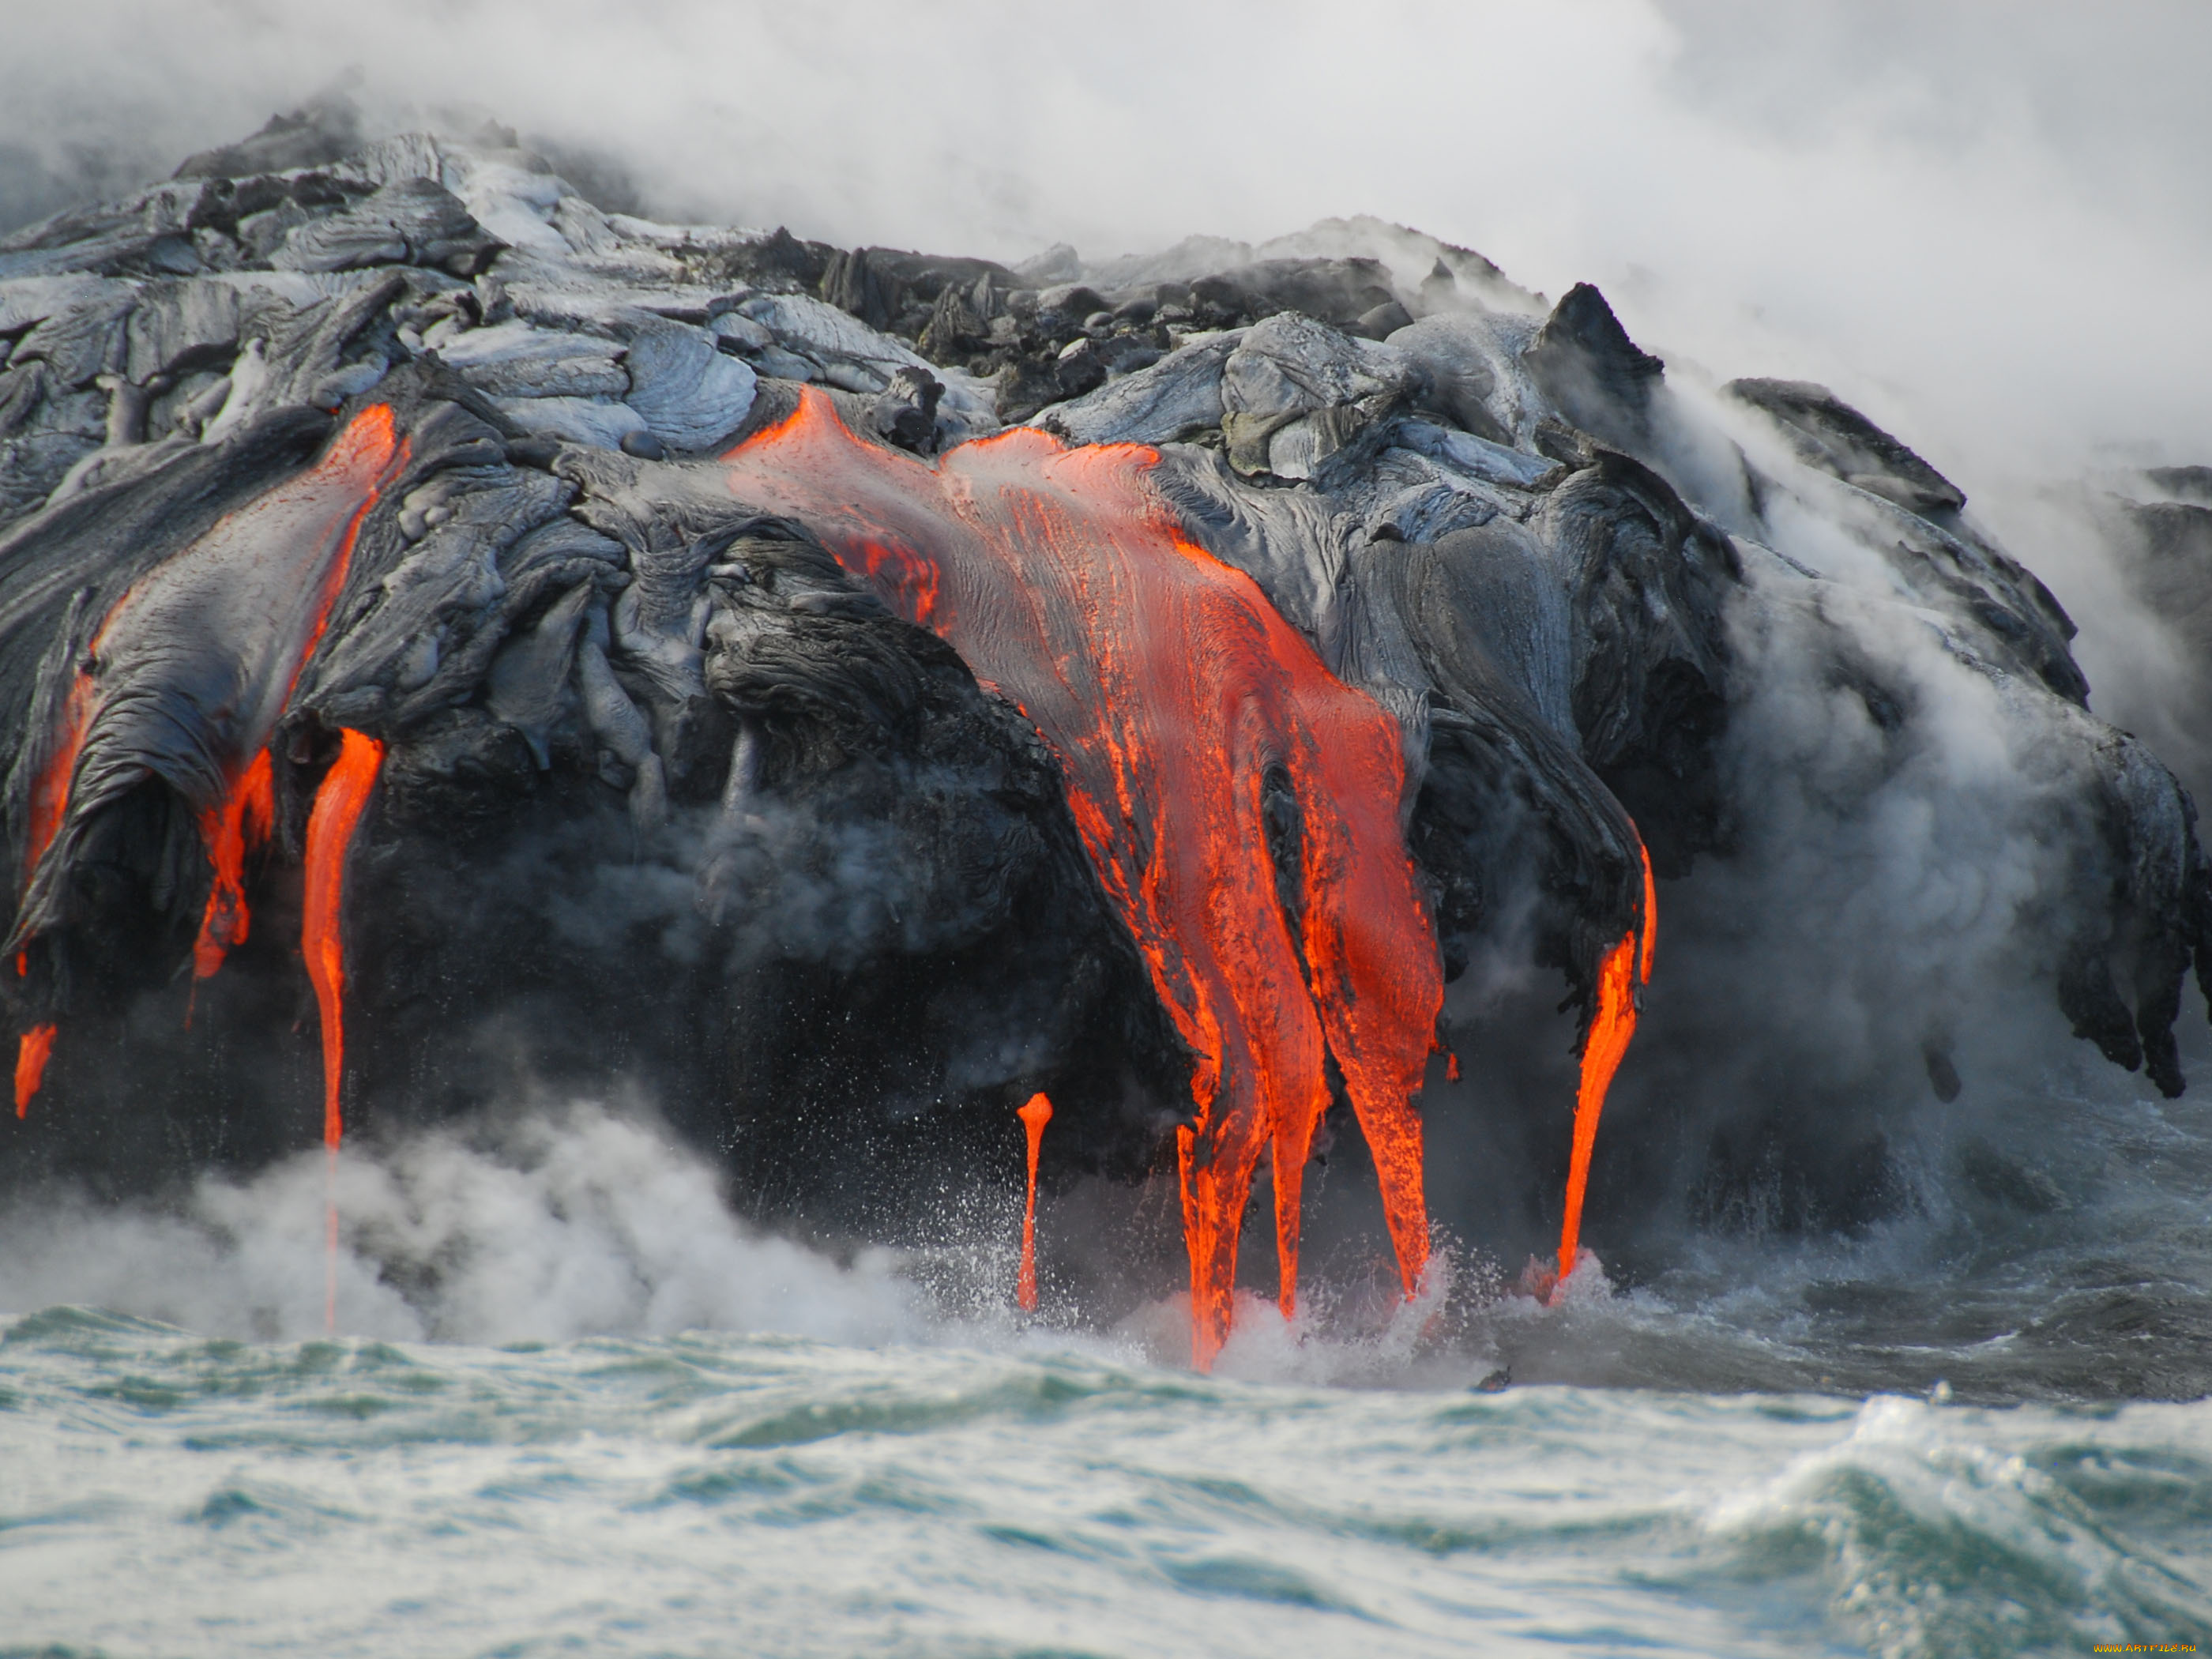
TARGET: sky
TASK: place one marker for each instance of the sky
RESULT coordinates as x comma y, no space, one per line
1988,224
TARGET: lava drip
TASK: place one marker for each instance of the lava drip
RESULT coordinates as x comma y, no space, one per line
49,790
339,802
1035,1115
1171,690
238,824
1623,973
340,799
32,1050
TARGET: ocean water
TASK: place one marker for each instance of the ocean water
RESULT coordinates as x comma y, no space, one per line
577,1406
168,1494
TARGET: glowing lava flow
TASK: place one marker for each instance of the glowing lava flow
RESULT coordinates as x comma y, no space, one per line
187,676
31,1055
1172,691
1626,967
339,802
237,824
1034,1116
192,666
49,790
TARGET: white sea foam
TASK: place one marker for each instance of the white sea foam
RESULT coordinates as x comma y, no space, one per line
575,1223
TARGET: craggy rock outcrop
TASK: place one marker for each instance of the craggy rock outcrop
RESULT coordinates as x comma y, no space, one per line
410,439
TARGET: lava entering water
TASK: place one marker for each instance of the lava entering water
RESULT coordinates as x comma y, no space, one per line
340,801
1035,1115
31,1052
1174,692
1626,967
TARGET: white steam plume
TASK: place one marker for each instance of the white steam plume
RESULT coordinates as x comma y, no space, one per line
1986,224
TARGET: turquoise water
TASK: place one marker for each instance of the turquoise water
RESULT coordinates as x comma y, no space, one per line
161,1493
555,1422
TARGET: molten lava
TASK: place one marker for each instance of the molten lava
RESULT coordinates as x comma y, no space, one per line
192,666
31,1052
1626,970
1035,1115
1175,695
49,790
235,826
185,678
339,802
340,799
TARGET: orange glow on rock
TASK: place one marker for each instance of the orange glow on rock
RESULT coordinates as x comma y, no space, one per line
1034,1115
297,540
235,826
31,1051
1651,922
1170,689
339,803
50,790
1626,970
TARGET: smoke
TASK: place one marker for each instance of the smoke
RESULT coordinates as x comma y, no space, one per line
1986,226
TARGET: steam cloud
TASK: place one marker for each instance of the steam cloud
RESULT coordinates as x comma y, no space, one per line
1983,224
569,1223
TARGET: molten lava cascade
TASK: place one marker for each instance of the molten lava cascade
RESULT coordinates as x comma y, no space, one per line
50,790
31,1052
1178,699
237,824
1626,967
1035,1115
339,803
190,669
187,676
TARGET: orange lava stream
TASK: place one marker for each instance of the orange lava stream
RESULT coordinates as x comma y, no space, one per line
235,826
311,521
1626,967
1170,687
339,802
50,790
1035,1115
31,1051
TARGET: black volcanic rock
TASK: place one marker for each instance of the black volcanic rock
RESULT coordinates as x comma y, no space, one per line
312,137
668,791
1831,434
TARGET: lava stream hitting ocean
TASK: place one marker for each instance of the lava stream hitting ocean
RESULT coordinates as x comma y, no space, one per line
1172,690
1624,971
1035,1115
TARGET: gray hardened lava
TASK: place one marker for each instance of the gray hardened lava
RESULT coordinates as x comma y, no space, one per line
670,797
